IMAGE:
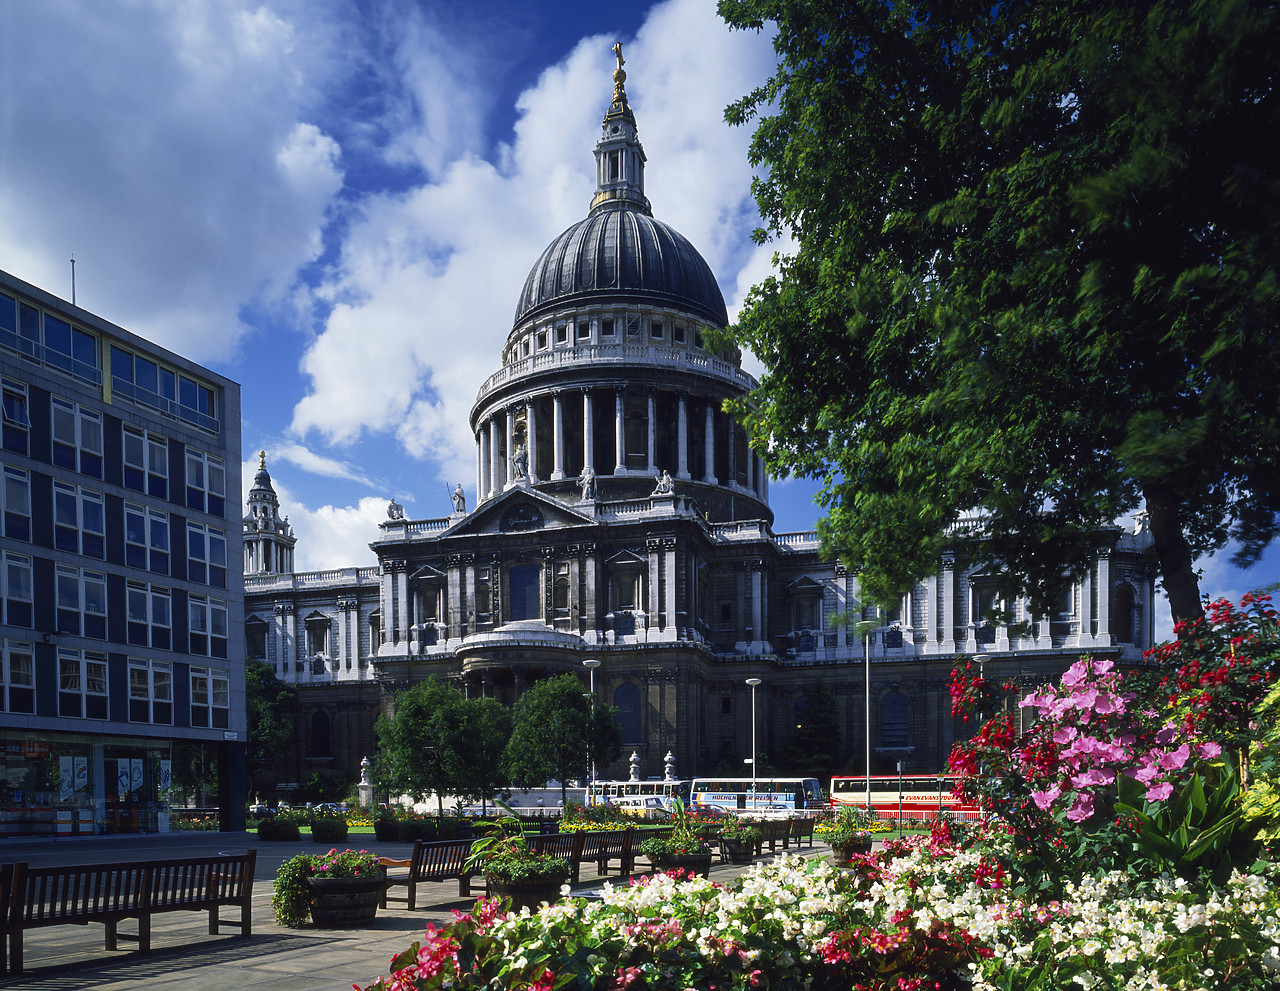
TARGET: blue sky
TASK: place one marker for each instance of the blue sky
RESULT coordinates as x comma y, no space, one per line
335,203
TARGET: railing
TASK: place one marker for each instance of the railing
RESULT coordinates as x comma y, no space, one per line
616,354
304,579
48,356
170,407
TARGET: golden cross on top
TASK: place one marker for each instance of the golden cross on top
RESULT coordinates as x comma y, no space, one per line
617,50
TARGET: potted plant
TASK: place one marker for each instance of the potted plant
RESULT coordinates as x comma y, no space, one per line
738,841
338,888
386,826
684,849
511,869
849,834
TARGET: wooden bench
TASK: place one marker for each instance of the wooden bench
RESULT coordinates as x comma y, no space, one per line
33,897
773,831
432,860
802,829
600,846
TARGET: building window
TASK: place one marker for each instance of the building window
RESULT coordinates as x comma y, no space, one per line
895,725
81,602
146,462
146,539
606,328
17,418
16,501
562,334
15,586
19,673
206,483
255,638
542,340
677,334
150,692
152,384
584,330
807,613
525,600
626,590
77,438
655,330
627,701
50,341
317,635
210,699
150,612
321,735
207,626
79,520
561,595
206,555
484,596
82,684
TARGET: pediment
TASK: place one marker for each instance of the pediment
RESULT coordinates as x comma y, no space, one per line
427,573
626,559
804,585
519,510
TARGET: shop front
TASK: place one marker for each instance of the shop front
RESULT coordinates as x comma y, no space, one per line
67,784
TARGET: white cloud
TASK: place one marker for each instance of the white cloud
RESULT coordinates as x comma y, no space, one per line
316,464
168,148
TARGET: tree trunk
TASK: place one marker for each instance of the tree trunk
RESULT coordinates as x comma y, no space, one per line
1177,569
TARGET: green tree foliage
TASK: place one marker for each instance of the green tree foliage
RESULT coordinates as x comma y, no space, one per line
438,741
558,731
272,712
1033,274
813,747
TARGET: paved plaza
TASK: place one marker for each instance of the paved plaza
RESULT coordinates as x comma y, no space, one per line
184,957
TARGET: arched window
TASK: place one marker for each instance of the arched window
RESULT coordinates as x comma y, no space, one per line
524,603
895,722
627,701
321,737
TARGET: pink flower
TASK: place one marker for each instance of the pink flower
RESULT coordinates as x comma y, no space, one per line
1175,759
1083,807
1158,793
1209,750
1064,735
1046,798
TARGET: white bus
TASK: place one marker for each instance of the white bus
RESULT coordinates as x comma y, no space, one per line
608,792
736,795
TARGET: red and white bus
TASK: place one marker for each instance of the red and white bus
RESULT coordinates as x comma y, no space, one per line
923,796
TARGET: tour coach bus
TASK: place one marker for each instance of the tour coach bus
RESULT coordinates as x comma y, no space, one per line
923,796
736,794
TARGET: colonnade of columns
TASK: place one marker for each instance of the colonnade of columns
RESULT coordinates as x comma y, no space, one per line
496,440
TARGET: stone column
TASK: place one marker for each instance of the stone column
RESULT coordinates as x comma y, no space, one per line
652,432
842,605
405,618
454,605
531,438
495,458
588,432
731,436
619,432
480,486
931,614
1104,598
590,612
338,649
652,606
1086,609
468,600
682,436
709,456
508,473
948,604
757,604
669,566
557,439
385,629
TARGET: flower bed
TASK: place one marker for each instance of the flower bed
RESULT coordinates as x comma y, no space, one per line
926,914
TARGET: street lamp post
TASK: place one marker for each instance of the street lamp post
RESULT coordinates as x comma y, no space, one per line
591,664
753,682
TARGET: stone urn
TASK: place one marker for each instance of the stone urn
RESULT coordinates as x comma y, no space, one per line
737,851
526,894
337,902
844,849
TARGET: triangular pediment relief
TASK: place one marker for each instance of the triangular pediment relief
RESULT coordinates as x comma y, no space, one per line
520,510
804,584
625,559
427,573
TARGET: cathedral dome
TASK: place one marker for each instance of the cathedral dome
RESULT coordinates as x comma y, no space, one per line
616,252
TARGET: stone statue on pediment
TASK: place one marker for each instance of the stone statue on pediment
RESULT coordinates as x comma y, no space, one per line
666,484
587,481
395,511
459,500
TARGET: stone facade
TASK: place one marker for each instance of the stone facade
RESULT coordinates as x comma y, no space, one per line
621,516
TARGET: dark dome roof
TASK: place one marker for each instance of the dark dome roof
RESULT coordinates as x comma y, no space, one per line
626,255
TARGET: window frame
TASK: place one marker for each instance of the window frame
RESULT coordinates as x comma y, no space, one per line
147,553
83,580
84,423
209,684
18,610
8,650
79,672
150,691
201,567
151,467
16,406
202,496
86,541
17,521
148,615
202,622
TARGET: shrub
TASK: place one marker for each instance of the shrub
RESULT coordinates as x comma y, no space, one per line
329,827
282,827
